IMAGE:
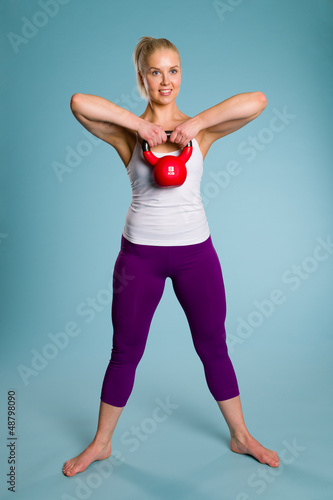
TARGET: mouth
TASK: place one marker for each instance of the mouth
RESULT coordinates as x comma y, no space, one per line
165,91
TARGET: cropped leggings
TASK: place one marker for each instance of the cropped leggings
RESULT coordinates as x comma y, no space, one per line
138,283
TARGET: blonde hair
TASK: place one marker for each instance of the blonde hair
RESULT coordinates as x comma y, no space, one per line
145,48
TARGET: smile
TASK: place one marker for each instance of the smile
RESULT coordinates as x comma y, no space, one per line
165,92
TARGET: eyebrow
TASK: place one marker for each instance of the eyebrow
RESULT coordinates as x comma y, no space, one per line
171,67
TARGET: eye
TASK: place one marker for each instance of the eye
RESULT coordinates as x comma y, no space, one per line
155,71
174,70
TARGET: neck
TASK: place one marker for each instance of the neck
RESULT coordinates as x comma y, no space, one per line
166,115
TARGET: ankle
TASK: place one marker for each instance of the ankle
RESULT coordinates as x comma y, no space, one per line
241,434
101,441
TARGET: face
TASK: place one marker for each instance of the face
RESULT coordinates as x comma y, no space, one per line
163,77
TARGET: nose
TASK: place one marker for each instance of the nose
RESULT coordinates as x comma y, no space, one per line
165,78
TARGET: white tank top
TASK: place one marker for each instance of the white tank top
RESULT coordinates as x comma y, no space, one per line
165,217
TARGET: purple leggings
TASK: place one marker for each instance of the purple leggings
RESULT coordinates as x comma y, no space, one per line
138,283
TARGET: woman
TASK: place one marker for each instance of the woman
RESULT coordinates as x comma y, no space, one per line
166,234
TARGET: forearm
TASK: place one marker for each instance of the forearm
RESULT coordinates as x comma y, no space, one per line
238,107
97,108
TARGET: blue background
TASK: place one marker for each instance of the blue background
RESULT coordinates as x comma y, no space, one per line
60,236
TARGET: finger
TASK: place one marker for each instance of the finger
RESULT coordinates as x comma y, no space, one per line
178,138
173,136
163,137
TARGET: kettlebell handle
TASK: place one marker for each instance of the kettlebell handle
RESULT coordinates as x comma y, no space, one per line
170,170
146,147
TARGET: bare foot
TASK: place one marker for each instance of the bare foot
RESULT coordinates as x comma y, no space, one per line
249,446
80,463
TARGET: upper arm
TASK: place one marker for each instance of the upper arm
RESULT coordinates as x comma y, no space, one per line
209,135
105,131
227,127
118,137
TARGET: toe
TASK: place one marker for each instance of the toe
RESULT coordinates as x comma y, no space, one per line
67,467
274,462
69,471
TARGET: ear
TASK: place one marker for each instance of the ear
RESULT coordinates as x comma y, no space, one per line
140,77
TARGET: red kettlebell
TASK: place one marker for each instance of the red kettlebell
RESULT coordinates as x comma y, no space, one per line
169,171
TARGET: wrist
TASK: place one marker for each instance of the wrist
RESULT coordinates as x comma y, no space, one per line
199,122
138,123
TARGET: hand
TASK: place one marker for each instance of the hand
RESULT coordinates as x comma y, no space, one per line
185,132
152,133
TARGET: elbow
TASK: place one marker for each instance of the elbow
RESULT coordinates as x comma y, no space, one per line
262,100
74,101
